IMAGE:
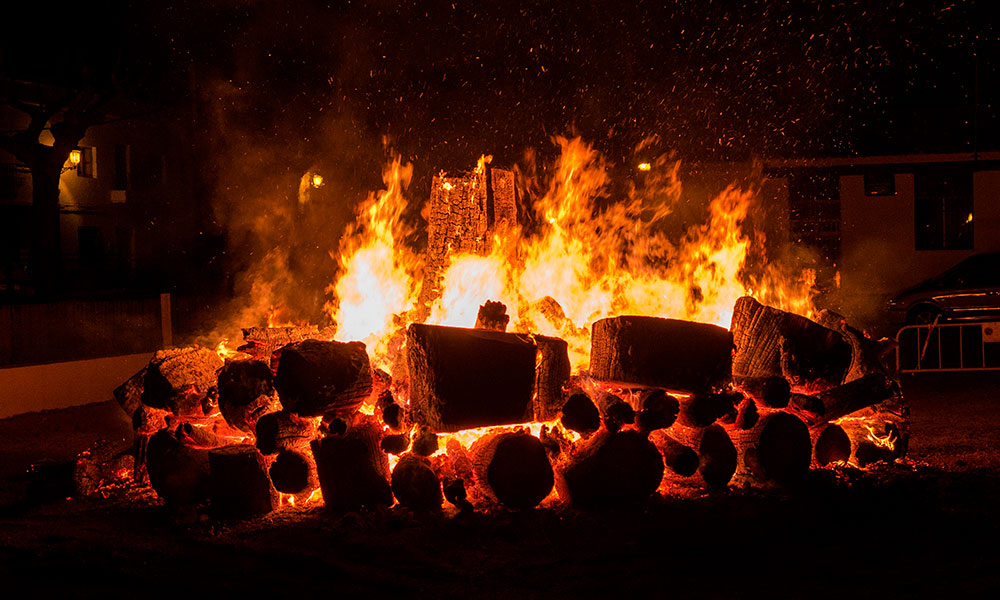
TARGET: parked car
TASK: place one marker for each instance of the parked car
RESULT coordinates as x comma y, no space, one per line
968,291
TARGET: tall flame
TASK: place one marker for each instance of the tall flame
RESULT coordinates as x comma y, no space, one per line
377,270
587,259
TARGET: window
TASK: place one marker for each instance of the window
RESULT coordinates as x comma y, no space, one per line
87,167
942,209
121,167
880,183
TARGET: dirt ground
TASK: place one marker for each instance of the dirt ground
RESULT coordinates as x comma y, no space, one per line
925,528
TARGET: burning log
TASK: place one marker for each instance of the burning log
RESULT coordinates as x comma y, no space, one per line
680,459
866,353
262,342
657,410
492,316
178,474
778,448
769,392
703,409
616,412
246,392
181,379
658,352
415,485
551,375
467,378
513,469
294,472
198,437
772,342
395,444
240,486
353,471
463,212
284,431
845,399
316,378
580,415
747,414
717,457
425,442
620,468
129,394
830,444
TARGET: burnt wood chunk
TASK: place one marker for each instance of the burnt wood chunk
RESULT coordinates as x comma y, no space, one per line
513,468
856,395
283,430
679,458
551,376
769,392
353,470
624,467
181,380
616,412
830,444
129,394
395,444
240,487
178,474
467,378
415,485
666,353
294,472
866,354
772,342
747,414
492,316
316,378
778,448
246,392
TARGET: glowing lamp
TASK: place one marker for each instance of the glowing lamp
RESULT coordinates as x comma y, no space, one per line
317,180
75,156
645,166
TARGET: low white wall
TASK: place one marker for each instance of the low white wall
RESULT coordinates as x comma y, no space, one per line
60,385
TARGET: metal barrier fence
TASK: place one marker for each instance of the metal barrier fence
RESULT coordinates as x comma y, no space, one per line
948,347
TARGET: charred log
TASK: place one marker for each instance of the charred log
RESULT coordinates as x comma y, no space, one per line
246,392
747,414
492,316
294,472
129,394
395,444
181,380
703,409
665,353
657,410
680,459
579,414
262,342
777,449
318,378
622,468
467,378
415,485
353,470
616,412
768,392
772,342
284,431
830,444
178,474
717,457
425,442
513,468
866,354
551,376
240,487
